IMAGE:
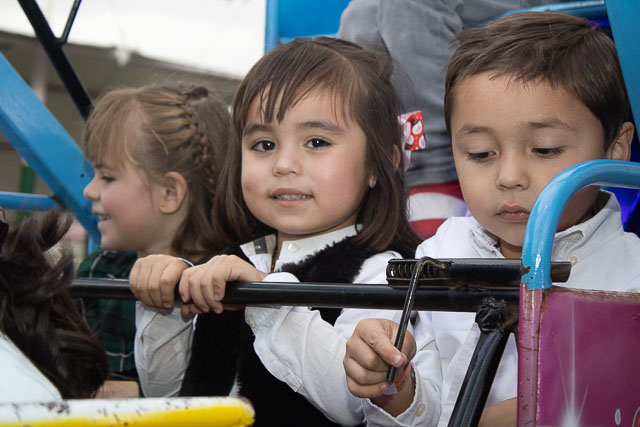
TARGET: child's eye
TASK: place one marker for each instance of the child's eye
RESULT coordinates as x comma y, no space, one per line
104,176
548,152
480,157
264,145
317,143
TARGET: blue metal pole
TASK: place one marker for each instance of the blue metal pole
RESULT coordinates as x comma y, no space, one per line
26,202
271,38
624,16
45,145
544,217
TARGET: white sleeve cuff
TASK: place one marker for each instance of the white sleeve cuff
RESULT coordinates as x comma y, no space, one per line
417,414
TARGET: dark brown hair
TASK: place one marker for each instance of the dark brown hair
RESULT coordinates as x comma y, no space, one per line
359,81
562,50
38,315
163,128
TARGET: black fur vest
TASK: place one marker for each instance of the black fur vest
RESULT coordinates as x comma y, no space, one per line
223,344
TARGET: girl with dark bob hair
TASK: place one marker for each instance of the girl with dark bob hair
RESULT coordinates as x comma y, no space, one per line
313,187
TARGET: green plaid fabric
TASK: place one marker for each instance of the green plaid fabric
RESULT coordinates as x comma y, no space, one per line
112,320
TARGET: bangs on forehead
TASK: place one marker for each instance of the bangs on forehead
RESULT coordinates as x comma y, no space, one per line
293,71
275,104
108,137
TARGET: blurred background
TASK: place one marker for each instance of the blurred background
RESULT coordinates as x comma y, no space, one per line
127,43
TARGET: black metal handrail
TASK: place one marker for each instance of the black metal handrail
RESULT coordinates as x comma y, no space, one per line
374,296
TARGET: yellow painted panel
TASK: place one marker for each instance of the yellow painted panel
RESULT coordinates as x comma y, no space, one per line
222,412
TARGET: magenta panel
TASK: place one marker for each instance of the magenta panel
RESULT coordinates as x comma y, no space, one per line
589,359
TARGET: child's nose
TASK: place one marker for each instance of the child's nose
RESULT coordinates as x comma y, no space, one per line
512,174
91,190
287,161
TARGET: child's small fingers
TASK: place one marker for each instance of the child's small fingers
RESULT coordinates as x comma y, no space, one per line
216,278
168,283
193,309
359,350
133,279
216,283
188,311
142,282
155,275
184,310
183,286
391,355
169,280
195,292
367,391
242,270
231,269
206,282
361,374
217,308
377,333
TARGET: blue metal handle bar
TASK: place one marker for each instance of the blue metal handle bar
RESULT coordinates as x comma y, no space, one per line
26,202
544,217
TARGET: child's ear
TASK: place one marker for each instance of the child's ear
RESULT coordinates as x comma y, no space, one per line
372,181
397,157
174,192
620,148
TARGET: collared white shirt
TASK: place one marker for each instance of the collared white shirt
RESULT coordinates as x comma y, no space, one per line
603,257
300,348
293,343
21,380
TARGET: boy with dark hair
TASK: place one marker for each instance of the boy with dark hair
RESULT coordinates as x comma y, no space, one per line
417,34
527,96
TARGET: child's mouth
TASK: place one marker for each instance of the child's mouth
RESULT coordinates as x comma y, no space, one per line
292,197
517,216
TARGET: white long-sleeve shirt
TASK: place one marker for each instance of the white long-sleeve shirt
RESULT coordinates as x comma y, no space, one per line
293,343
603,257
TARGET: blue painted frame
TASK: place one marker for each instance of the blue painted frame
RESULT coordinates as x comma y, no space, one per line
46,146
26,202
624,16
544,217
288,19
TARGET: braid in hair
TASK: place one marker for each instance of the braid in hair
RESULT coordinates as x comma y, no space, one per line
202,145
186,130
38,315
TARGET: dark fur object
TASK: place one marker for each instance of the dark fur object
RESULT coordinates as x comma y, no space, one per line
38,315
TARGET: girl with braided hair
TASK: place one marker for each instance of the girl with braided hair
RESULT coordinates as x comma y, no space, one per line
47,353
156,152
